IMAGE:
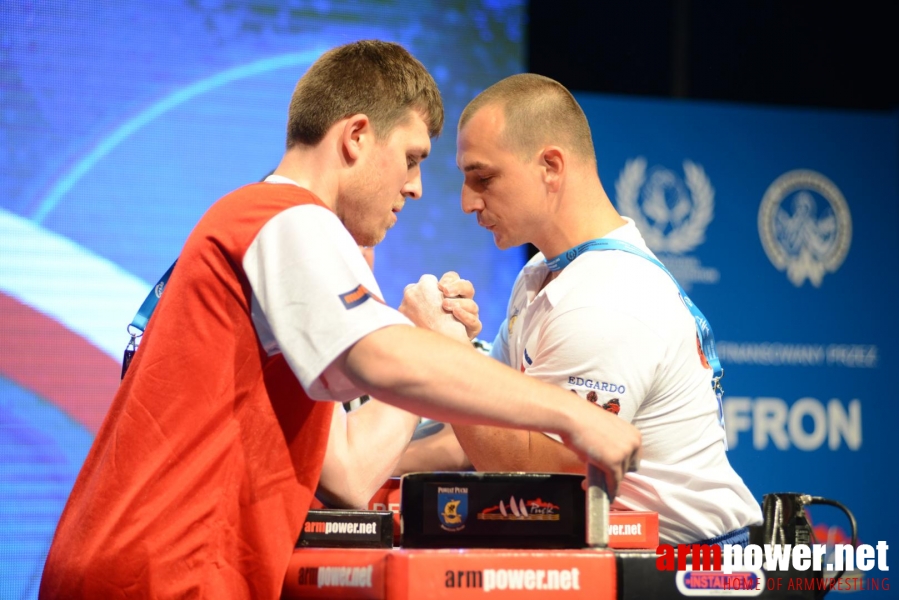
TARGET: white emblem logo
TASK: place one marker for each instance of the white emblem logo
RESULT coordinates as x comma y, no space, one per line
670,219
805,226
671,213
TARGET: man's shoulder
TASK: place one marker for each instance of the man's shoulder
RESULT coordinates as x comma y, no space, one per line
272,193
617,281
236,218
254,204
615,272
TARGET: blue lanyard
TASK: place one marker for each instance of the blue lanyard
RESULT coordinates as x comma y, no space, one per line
139,323
703,327
146,309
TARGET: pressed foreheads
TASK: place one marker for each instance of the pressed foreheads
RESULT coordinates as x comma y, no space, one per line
538,111
378,79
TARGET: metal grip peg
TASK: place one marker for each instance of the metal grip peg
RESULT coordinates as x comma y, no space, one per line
597,509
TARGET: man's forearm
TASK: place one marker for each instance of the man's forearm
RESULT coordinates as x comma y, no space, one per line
494,448
363,449
378,435
434,447
498,449
424,373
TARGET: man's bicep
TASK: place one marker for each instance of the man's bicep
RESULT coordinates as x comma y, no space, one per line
605,356
313,295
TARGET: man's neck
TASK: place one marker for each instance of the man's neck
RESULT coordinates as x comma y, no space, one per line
306,167
562,235
580,212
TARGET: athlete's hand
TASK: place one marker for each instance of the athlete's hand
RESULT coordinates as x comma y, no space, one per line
607,441
459,300
423,305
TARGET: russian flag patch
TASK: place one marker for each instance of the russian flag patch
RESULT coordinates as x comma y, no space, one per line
357,296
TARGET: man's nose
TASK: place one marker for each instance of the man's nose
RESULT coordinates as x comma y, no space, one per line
471,202
413,188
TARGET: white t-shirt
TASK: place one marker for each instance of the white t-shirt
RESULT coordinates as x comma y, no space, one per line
340,299
613,329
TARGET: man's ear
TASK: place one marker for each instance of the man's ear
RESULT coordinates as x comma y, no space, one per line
552,162
357,132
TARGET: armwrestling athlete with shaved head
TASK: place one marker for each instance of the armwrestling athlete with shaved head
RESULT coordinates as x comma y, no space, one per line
610,327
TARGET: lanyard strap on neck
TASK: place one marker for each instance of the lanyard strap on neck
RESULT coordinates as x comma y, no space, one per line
146,309
703,328
139,323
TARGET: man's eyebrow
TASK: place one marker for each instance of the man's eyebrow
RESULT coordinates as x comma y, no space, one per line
420,153
474,166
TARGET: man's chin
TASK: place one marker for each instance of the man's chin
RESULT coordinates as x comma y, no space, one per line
501,242
369,238
505,243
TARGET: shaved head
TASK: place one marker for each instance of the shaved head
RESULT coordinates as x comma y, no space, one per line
538,111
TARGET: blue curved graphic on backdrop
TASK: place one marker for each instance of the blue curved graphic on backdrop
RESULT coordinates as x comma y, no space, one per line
65,183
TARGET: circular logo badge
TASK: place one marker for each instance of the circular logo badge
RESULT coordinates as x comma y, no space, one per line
805,226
